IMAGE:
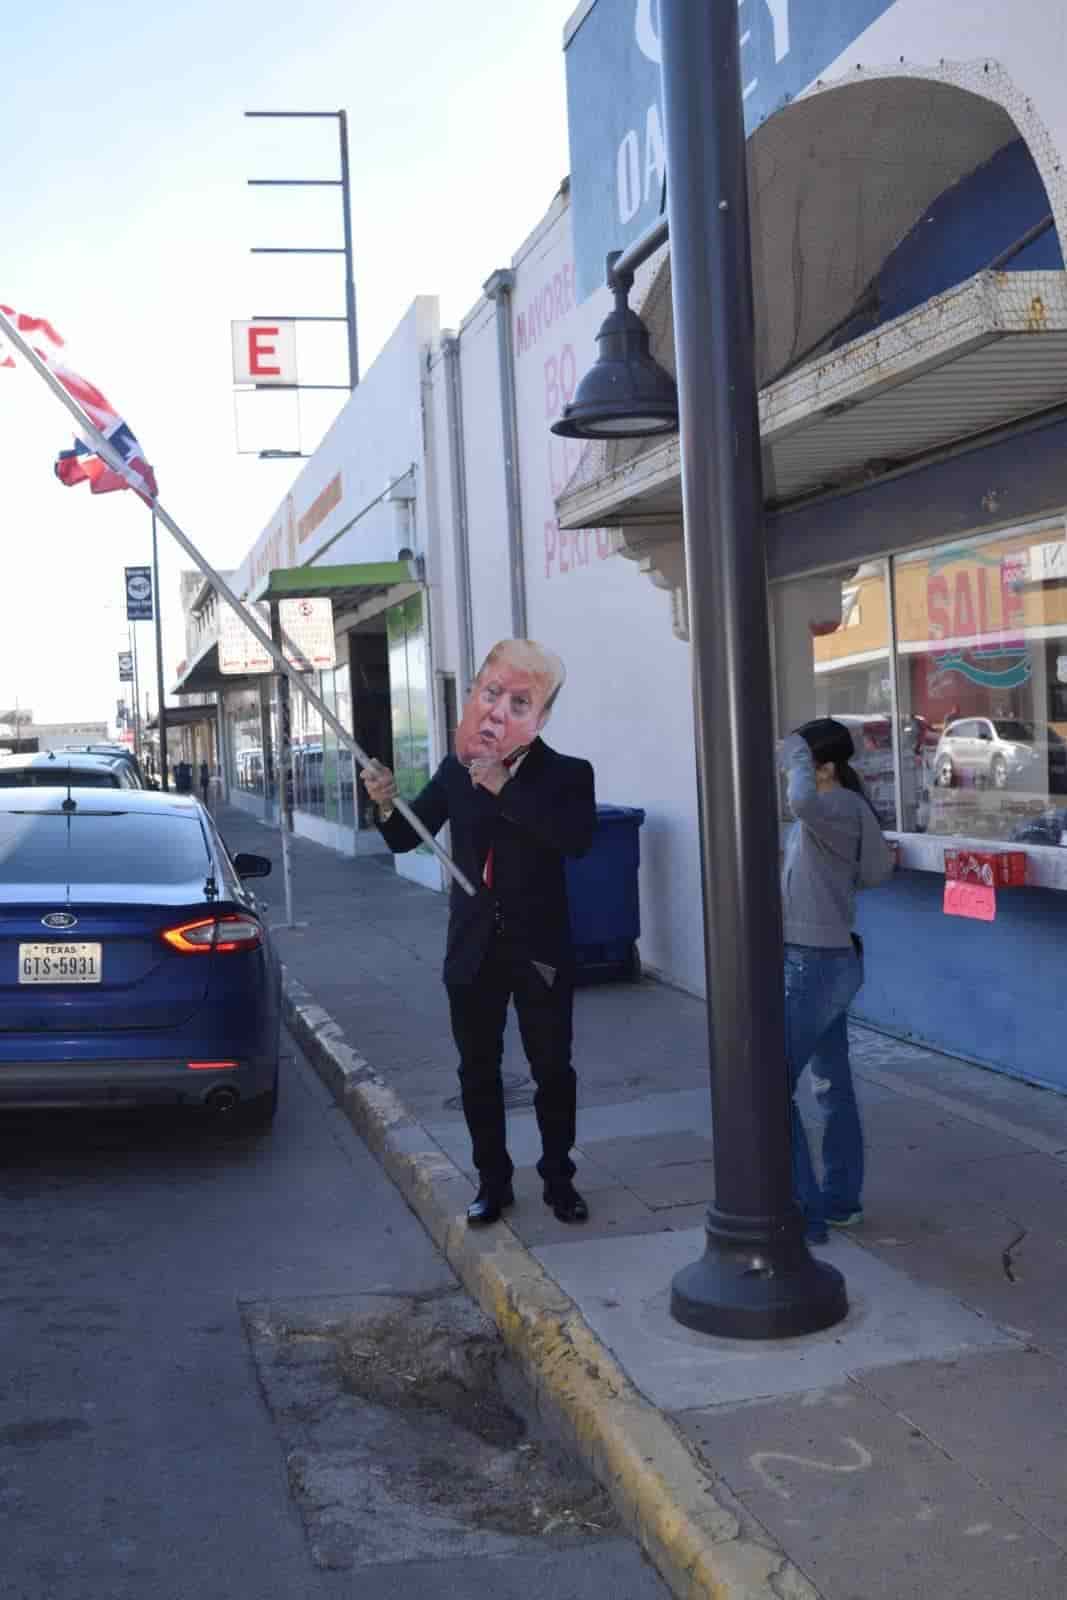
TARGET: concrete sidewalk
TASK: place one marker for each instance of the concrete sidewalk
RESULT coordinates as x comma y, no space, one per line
918,1449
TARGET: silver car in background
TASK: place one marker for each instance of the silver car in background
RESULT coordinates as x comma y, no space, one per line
1000,751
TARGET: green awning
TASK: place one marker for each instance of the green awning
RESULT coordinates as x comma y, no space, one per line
346,585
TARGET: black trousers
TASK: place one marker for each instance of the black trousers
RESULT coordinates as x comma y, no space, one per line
544,1012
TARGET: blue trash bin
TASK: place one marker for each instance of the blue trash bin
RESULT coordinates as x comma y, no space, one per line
603,896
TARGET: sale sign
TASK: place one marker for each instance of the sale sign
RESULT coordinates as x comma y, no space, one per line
975,900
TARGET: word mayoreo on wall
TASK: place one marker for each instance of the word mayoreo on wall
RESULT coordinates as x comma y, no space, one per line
615,112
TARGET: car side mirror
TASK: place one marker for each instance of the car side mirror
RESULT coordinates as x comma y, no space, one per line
246,865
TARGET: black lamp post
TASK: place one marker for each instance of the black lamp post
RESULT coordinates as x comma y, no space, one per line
756,1279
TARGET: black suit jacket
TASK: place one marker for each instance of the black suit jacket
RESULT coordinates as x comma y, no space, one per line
545,813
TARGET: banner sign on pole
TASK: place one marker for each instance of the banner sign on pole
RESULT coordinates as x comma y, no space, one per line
615,116
307,633
125,666
139,594
240,652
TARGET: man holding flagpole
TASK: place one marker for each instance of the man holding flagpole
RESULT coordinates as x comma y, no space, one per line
517,810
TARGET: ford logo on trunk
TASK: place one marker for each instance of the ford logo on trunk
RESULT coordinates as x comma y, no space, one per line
60,919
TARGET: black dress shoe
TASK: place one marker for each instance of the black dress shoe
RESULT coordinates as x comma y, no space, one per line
488,1203
564,1199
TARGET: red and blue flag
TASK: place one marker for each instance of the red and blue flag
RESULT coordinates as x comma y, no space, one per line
83,464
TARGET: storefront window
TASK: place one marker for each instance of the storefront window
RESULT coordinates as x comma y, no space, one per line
309,788
244,743
409,690
832,659
982,676
342,682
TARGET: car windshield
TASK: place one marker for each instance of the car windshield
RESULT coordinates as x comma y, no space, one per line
93,847
1020,732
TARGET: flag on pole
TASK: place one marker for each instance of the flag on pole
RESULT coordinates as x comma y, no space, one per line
83,464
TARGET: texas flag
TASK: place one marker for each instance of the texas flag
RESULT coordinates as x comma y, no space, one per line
83,464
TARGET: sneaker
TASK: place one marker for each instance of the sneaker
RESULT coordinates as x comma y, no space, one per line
851,1219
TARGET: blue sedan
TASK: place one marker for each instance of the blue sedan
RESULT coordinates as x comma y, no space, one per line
135,966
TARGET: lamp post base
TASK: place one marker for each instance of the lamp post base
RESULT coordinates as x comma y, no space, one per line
757,1280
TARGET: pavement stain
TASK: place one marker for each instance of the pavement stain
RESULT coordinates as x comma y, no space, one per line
41,1430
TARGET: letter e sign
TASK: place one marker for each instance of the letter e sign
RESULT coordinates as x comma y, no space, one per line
264,352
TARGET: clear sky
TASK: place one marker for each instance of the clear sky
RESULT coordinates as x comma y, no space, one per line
128,220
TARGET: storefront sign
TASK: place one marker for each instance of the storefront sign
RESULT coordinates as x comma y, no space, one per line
264,353
615,114
125,666
307,634
240,652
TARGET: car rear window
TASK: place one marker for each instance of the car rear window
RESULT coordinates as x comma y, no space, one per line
121,847
1020,732
56,777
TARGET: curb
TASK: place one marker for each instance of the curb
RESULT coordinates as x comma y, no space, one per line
704,1545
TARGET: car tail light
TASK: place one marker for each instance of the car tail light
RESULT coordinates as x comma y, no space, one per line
221,934
210,1066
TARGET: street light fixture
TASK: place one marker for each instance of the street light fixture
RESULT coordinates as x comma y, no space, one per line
626,394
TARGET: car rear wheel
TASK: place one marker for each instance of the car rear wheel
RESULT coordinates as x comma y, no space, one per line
946,775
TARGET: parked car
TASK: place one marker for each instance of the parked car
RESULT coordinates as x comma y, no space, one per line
1000,751
1049,828
58,768
136,967
120,752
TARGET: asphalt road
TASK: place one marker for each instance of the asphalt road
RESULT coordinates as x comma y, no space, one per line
147,1447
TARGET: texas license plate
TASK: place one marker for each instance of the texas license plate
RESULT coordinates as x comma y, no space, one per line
60,963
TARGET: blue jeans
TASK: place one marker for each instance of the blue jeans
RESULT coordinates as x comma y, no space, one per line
819,988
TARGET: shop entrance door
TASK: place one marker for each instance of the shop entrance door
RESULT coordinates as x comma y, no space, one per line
368,656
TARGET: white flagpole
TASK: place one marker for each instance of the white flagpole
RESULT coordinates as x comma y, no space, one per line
223,590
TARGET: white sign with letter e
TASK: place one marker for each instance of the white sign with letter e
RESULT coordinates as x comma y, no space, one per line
264,353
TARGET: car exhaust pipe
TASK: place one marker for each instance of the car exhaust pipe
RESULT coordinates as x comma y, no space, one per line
222,1102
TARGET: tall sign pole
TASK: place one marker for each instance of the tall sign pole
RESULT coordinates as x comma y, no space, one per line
161,698
350,275
285,734
756,1279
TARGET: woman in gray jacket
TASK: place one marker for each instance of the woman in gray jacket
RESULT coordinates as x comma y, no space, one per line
834,847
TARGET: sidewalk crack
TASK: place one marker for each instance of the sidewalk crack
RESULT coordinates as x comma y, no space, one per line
1007,1254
